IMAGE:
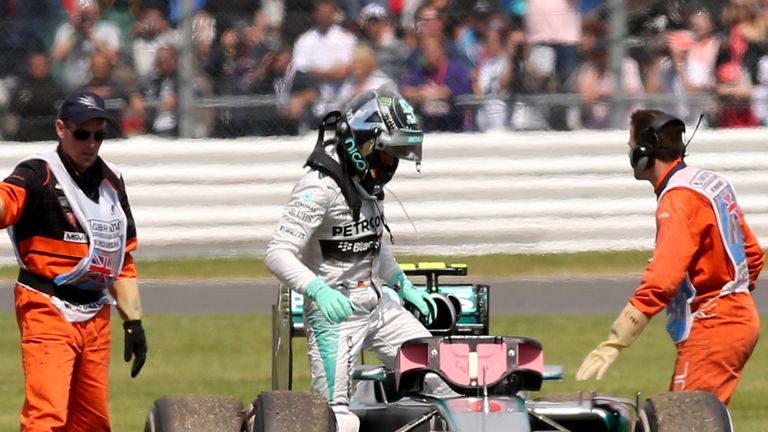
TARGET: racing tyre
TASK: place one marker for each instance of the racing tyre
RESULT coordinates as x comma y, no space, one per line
279,411
685,412
195,413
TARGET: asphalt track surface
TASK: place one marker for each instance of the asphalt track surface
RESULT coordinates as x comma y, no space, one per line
573,295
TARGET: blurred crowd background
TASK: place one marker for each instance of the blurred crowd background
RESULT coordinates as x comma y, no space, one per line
204,68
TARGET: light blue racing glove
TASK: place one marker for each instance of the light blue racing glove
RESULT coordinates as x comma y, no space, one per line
334,305
419,298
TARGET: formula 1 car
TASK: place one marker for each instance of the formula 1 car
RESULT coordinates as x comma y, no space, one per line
459,379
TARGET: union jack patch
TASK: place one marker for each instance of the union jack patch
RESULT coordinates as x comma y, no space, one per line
100,270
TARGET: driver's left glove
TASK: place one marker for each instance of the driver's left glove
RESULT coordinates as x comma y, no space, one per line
419,298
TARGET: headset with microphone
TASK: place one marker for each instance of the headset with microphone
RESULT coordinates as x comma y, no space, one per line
643,155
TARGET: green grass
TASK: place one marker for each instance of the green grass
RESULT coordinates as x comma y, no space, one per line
230,355
489,265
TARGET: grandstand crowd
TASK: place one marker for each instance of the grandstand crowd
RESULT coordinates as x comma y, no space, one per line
273,67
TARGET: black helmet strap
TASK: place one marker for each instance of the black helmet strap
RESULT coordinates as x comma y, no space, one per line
320,161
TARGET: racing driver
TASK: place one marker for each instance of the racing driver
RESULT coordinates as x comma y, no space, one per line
327,245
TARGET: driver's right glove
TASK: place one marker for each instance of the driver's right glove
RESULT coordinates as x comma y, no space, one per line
335,306
419,298
627,327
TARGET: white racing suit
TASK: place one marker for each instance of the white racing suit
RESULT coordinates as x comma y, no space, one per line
317,236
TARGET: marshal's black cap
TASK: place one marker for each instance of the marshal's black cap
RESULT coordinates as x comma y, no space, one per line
81,106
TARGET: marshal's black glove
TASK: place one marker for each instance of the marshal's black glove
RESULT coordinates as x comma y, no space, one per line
135,345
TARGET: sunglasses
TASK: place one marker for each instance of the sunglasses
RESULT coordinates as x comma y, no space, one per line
85,135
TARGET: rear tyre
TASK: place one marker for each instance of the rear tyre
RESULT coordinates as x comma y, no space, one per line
685,411
278,411
188,413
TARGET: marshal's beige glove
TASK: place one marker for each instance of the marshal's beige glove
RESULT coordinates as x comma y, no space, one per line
627,327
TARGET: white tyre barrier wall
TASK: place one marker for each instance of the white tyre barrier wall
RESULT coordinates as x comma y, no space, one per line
503,192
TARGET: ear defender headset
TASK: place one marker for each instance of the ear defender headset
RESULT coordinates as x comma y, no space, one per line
643,155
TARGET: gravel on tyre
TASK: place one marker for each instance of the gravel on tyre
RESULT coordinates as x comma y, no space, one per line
277,411
687,412
188,412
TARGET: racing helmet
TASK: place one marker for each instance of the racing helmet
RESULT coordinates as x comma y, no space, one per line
384,129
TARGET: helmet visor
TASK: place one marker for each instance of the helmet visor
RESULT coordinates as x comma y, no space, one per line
402,143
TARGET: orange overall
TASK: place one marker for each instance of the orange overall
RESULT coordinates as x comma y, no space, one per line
66,364
689,247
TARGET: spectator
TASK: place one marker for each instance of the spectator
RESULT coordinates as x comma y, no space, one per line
491,80
442,6
325,52
297,20
160,93
595,85
227,51
233,67
34,103
363,75
380,34
162,89
554,31
123,13
471,28
203,37
409,14
9,46
760,91
150,31
176,9
273,12
433,88
522,77
125,105
430,24
688,69
701,60
75,40
351,10
737,66
229,61
25,27
233,10
593,29
294,93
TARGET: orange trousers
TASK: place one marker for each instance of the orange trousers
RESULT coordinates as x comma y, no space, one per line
720,343
66,367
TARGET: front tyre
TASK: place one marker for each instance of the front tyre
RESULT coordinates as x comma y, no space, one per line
194,413
278,411
696,411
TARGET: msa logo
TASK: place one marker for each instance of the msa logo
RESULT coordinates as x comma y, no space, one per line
75,237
